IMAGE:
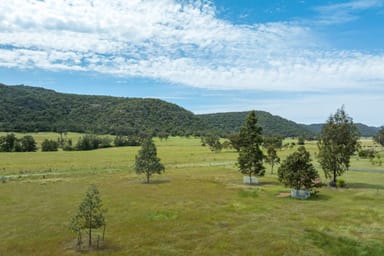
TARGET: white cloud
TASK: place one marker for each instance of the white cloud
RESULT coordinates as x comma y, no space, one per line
180,42
345,12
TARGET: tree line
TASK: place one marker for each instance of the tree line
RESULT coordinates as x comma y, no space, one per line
10,143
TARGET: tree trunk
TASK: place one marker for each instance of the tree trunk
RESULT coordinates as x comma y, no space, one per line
250,178
90,237
334,177
104,232
79,242
90,231
272,168
148,177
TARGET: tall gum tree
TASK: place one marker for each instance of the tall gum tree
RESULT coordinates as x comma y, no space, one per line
338,141
250,160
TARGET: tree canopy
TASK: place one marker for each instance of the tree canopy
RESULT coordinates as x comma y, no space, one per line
338,141
31,109
272,158
250,160
297,171
90,214
147,161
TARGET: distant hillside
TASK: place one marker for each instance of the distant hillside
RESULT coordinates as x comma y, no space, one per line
24,108
272,125
365,131
30,109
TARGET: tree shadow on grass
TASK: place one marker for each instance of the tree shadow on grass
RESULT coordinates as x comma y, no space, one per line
319,197
156,182
364,185
106,247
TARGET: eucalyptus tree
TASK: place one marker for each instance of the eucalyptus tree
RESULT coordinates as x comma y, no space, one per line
338,141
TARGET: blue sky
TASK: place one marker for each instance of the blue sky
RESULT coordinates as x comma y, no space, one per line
300,59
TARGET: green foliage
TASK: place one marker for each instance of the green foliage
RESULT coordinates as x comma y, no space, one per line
272,158
338,141
250,158
67,145
379,137
364,130
230,123
340,183
91,142
29,109
297,171
213,141
367,153
121,141
90,214
147,161
49,145
105,142
9,143
88,142
28,144
234,139
273,141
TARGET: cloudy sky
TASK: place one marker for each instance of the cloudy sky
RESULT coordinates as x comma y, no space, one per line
300,59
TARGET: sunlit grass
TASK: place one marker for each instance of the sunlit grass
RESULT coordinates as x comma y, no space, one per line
199,206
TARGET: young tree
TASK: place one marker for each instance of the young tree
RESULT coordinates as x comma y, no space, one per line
90,214
297,171
213,142
147,161
272,158
338,141
250,158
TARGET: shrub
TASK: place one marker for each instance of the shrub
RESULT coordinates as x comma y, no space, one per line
49,145
367,153
340,183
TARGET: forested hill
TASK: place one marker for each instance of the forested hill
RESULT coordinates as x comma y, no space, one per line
272,125
24,108
365,131
32,109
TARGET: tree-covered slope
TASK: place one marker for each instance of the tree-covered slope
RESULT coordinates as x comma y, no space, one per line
24,108
365,131
29,109
272,125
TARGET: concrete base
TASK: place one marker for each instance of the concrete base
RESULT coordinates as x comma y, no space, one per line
251,181
300,194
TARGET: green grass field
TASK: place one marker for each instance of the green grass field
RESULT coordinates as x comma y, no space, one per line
199,206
